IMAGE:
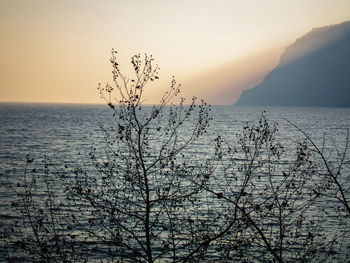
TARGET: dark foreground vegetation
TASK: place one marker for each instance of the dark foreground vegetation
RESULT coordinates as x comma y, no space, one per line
146,197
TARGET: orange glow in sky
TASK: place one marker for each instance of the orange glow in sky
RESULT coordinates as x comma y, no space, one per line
57,51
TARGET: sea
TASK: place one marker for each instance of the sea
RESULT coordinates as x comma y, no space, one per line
65,133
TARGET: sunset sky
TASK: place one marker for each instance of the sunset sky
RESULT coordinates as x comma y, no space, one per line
57,51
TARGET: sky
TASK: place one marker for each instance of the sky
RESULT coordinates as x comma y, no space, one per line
58,51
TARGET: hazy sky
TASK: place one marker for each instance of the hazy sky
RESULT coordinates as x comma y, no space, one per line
57,51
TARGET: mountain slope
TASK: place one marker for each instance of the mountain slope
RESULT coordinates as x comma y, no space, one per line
314,71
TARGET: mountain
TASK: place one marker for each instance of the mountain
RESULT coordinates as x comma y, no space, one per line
314,71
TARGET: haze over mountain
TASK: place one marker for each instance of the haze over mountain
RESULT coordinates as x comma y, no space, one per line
314,71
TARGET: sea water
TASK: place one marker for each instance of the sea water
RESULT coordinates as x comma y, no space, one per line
65,132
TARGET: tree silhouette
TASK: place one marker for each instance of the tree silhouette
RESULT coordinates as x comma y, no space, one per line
331,185
273,195
145,199
146,195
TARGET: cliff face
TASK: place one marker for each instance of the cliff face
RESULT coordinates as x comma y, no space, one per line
314,71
